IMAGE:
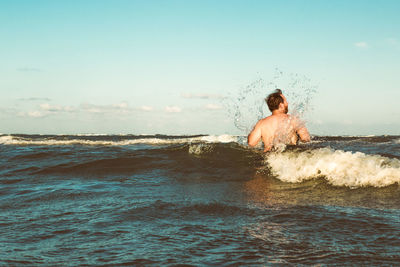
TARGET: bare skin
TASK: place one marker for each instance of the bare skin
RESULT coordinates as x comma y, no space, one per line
278,128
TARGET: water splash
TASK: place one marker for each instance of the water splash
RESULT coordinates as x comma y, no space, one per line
248,105
298,89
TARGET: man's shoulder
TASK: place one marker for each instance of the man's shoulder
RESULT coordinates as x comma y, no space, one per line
266,119
277,119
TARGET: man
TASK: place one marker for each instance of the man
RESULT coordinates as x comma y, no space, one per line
279,127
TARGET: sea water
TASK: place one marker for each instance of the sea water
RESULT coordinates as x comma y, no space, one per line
198,200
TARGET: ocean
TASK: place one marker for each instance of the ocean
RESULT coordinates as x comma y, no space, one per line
156,200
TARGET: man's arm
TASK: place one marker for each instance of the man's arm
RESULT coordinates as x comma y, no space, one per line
255,135
302,131
303,134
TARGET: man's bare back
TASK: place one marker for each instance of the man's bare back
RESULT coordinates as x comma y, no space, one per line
279,128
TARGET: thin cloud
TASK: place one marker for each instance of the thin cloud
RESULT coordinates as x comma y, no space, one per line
146,108
122,105
36,114
47,109
201,96
120,108
91,108
173,109
392,42
35,99
28,69
212,107
56,108
361,45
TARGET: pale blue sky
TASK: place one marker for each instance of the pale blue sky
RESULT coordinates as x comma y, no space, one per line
168,66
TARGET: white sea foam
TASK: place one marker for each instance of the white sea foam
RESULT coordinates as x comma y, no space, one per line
198,149
339,168
88,134
15,140
225,138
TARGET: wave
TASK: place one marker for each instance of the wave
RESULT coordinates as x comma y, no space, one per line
129,139
183,161
377,162
358,138
338,167
107,140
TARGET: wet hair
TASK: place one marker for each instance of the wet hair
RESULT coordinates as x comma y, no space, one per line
274,99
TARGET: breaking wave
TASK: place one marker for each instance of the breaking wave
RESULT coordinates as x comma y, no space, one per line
109,140
338,167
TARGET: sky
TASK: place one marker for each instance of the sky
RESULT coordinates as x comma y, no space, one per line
183,67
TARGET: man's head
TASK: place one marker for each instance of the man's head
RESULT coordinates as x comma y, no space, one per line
276,101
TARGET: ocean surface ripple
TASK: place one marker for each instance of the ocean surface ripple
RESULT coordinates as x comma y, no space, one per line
198,200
